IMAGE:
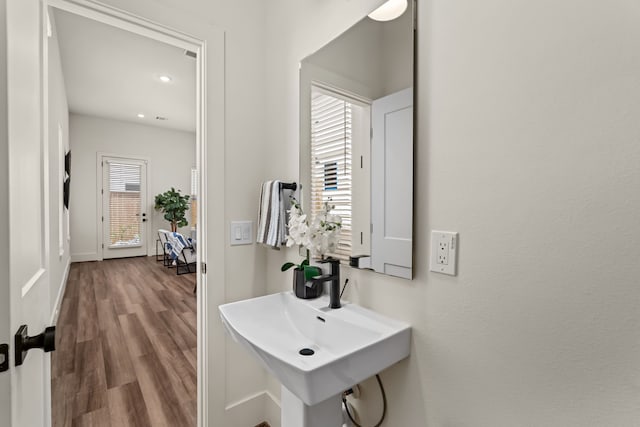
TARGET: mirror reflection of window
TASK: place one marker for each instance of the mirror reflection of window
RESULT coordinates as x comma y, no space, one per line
331,160
330,176
339,134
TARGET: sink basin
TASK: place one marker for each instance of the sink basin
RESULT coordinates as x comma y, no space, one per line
348,345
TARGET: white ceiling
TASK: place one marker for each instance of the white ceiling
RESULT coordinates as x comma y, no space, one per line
113,73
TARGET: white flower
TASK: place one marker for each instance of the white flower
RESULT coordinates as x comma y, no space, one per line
321,237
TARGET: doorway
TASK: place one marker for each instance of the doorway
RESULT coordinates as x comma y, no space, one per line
128,331
30,300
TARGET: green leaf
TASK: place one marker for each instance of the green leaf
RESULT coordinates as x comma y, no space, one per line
286,266
311,271
173,205
304,263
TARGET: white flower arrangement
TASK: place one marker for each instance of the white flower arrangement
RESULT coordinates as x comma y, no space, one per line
319,238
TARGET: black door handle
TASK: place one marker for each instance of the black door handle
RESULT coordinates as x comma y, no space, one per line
23,342
4,357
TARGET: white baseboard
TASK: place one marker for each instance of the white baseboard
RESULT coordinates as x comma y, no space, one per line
86,256
63,286
252,410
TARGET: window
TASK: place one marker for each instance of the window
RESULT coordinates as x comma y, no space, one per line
194,197
331,148
124,204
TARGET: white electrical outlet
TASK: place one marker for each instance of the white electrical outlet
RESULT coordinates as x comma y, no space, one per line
443,252
444,245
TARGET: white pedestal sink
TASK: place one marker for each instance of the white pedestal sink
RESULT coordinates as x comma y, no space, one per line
314,351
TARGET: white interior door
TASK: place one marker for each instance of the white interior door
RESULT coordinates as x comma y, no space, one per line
28,213
392,184
361,180
124,204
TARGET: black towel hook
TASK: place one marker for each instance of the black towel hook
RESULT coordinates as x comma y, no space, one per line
288,186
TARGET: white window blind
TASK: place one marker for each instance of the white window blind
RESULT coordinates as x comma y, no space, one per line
124,177
331,161
194,197
194,182
124,204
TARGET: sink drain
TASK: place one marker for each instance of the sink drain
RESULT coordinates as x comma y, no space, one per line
307,352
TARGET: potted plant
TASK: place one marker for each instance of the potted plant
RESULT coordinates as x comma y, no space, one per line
174,207
318,238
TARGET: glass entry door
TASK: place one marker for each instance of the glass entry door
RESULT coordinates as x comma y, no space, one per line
124,217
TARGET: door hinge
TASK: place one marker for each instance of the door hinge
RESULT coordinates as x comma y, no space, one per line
361,162
103,246
102,191
102,219
4,357
203,267
371,228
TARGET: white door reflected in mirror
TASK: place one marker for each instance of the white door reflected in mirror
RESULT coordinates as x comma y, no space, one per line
391,152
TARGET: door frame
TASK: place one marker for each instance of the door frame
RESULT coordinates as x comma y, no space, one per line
100,199
146,28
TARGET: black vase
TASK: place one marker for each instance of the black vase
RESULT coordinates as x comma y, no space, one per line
300,288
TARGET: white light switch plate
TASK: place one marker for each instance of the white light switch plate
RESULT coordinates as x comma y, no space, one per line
241,233
444,246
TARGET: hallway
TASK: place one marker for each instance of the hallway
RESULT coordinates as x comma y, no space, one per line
125,346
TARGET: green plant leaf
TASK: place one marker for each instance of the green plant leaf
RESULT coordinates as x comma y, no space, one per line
286,266
174,206
311,271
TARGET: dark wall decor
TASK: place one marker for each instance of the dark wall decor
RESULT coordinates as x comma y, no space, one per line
67,180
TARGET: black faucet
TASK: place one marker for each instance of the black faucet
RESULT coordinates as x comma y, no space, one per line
334,278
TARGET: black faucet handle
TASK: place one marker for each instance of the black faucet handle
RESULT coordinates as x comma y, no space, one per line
321,278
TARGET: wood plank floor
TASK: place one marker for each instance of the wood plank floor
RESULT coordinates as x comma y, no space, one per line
125,346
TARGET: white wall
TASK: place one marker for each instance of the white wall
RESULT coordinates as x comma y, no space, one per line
171,156
5,333
394,34
354,56
58,116
369,58
527,145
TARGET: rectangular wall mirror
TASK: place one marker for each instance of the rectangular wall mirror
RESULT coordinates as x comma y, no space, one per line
357,140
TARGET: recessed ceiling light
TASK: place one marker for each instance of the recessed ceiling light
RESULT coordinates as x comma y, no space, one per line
165,79
389,10
140,115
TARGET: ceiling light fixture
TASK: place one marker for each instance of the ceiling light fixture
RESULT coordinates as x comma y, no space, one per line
165,79
140,116
390,10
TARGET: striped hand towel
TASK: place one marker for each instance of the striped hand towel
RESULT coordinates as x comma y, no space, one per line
271,216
